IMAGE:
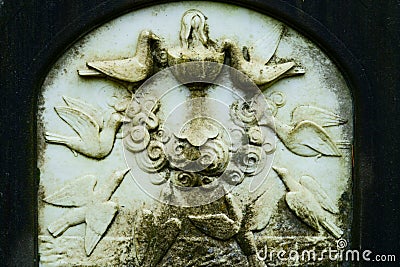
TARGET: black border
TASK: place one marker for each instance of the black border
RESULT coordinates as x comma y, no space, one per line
37,32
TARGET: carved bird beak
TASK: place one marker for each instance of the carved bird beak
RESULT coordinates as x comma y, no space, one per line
280,171
154,37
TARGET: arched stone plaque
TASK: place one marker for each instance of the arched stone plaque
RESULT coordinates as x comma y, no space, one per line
192,134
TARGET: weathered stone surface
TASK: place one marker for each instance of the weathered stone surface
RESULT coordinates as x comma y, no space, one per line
193,134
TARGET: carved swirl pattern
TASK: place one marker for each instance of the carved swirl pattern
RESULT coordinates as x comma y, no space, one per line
204,153
233,175
144,137
140,119
185,179
214,157
153,159
243,114
249,157
158,151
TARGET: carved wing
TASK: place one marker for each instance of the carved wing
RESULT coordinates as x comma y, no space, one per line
129,70
75,194
300,207
265,47
320,116
332,228
165,238
264,208
86,108
215,225
144,229
311,135
83,124
98,218
271,73
318,193
71,218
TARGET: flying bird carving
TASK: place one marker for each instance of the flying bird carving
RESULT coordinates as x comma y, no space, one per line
130,70
91,205
305,135
95,137
262,73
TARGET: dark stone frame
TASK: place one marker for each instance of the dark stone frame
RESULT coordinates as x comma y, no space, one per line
37,32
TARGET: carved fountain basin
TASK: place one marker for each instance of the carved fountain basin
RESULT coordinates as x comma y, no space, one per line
200,64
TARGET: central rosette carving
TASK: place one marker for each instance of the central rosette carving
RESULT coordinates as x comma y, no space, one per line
195,155
202,146
196,150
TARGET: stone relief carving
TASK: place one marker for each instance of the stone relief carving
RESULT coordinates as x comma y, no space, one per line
130,70
309,202
305,137
96,135
91,205
197,162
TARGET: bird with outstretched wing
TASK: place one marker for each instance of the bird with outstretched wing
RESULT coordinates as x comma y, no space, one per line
306,134
128,71
94,136
255,62
89,204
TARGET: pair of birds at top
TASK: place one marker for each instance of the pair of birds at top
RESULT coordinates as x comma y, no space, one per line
194,37
305,137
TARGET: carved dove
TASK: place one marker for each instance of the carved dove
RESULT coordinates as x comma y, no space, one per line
95,138
306,138
91,205
131,70
259,72
309,202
